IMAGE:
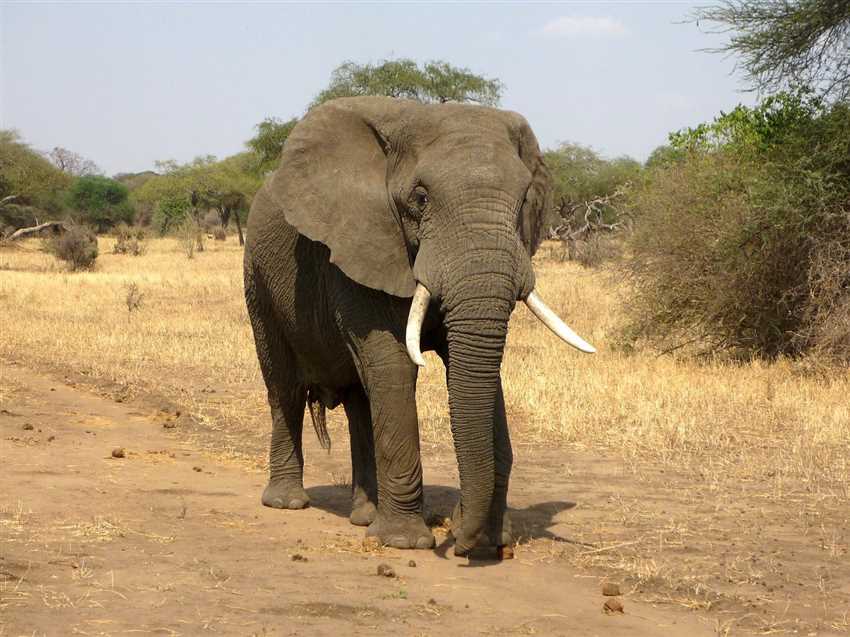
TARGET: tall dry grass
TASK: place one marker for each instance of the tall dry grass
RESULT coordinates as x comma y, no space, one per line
191,334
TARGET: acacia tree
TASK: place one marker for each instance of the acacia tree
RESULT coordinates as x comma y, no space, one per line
785,43
435,81
226,186
73,163
267,144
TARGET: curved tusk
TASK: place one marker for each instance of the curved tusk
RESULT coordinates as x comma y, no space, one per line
418,307
554,323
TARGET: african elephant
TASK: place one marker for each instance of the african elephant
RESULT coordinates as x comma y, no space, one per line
377,201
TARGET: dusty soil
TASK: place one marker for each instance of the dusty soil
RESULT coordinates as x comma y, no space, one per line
172,539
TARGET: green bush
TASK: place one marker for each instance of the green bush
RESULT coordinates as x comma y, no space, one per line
77,247
100,201
743,243
170,213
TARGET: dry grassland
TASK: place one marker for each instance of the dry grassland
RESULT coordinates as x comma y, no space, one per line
771,434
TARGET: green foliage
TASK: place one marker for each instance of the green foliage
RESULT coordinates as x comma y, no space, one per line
435,81
32,180
205,183
743,243
662,156
786,43
170,213
779,122
580,174
267,144
77,247
100,201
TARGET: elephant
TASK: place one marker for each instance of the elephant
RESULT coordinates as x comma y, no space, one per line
393,227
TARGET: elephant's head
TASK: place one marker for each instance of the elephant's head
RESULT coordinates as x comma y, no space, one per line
443,203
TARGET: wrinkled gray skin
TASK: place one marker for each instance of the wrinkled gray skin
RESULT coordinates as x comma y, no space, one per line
372,195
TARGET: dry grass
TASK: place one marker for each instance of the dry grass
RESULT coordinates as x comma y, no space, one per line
191,336
755,444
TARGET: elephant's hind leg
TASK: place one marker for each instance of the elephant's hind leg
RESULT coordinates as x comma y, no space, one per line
364,497
287,399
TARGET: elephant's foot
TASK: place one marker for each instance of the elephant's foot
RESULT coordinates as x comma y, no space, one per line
285,495
401,531
363,511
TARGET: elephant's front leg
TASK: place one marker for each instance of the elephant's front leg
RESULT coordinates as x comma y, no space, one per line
391,385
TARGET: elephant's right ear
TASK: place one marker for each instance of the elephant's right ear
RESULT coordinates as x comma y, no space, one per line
332,187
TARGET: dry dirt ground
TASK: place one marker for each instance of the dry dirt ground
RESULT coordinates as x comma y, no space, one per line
172,540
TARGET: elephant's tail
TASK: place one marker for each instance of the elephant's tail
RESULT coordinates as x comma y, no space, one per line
320,423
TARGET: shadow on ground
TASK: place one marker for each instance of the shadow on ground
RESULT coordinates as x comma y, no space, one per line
530,523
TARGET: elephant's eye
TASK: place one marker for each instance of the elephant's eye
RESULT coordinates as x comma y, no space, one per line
418,199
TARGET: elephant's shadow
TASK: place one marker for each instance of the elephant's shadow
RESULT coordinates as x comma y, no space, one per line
531,523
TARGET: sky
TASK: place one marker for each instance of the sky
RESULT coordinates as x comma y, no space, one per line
126,84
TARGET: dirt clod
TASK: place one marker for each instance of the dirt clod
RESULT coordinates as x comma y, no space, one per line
611,589
118,452
27,427
412,564
297,557
51,438
612,605
385,570
169,425
198,469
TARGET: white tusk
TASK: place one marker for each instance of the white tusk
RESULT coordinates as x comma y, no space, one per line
553,322
418,307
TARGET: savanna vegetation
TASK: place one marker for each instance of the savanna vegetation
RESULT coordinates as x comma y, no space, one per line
714,277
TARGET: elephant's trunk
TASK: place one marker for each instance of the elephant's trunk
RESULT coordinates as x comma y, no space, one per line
478,298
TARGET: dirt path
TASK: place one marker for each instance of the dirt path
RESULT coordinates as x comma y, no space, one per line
169,540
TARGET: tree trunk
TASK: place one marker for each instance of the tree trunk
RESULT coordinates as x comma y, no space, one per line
54,226
239,228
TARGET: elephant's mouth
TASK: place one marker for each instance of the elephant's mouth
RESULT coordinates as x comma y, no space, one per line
538,307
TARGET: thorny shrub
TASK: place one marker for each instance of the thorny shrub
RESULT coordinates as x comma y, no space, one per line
742,244
77,247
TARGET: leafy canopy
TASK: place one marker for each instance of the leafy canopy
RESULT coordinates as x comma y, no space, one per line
435,81
101,201
28,176
785,43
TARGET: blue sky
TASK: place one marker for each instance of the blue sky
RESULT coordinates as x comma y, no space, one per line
127,84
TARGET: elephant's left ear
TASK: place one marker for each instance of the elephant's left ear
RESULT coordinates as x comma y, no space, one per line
538,198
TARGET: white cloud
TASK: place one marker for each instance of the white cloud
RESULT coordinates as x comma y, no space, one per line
568,26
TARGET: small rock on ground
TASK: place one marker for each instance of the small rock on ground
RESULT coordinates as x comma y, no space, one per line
385,570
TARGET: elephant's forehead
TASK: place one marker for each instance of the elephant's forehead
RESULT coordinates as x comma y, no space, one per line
475,157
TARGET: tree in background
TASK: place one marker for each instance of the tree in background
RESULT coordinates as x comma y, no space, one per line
587,198
226,186
100,201
30,186
73,163
436,81
267,144
789,43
